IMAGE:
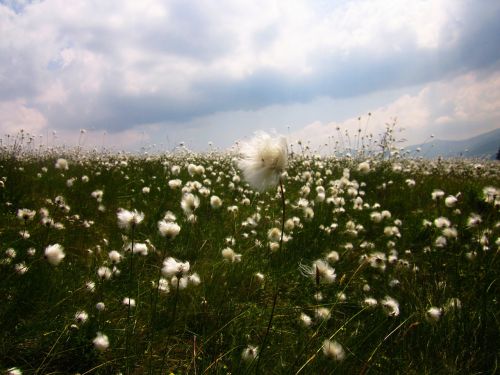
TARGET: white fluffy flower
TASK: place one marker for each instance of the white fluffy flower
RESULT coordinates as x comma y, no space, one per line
333,350
168,229
61,164
215,202
305,320
391,306
128,219
14,371
229,255
364,167
172,267
189,203
25,214
54,254
263,159
319,271
129,302
81,317
433,314
101,341
114,256
249,353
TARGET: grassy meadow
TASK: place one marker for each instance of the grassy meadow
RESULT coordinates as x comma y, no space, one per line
387,266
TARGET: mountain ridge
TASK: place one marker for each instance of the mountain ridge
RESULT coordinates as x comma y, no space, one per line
483,146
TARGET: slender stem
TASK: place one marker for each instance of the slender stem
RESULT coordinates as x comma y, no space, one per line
276,292
275,298
153,316
173,322
127,335
282,214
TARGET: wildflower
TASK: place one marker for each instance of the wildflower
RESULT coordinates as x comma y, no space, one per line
172,267
10,253
259,277
333,350
333,257
308,214
394,282
452,304
179,282
163,285
129,219
319,271
104,273
169,230
100,306
473,220
305,320
274,234
433,314
101,342
274,246
391,306
341,296
392,231
369,302
490,194
386,214
189,203
376,217
90,286
229,255
450,232
263,160
440,241
410,182
129,302
54,254
175,184
97,194
364,167
81,317
377,260
289,225
115,256
61,164
249,353
25,214
194,279
322,313
215,202
139,248
358,204
21,268
175,170
14,371
450,201
437,194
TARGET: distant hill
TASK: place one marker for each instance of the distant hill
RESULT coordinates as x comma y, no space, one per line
484,146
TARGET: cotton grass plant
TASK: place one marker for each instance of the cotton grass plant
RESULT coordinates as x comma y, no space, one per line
373,273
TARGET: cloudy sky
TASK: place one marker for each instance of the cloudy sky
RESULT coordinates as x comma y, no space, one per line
151,72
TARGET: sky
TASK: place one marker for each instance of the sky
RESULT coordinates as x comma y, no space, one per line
152,74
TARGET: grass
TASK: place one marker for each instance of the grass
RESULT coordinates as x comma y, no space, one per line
205,328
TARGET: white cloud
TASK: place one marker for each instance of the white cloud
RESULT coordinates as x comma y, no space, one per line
16,116
464,106
119,65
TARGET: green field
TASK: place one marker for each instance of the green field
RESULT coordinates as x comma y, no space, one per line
409,294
